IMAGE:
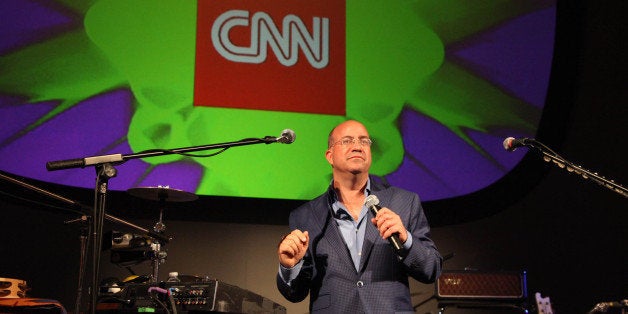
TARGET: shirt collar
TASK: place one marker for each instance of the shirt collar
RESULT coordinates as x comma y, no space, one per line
334,204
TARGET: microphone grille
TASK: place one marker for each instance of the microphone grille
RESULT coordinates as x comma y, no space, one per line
287,136
508,143
371,200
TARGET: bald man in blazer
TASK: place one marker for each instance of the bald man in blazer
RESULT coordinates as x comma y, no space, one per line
339,252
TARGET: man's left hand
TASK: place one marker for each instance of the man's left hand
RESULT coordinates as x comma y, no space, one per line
388,223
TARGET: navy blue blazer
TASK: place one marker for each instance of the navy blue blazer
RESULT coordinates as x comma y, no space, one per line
381,284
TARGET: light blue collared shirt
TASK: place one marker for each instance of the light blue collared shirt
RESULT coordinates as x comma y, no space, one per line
352,230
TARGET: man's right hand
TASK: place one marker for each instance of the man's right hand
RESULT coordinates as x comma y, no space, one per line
292,248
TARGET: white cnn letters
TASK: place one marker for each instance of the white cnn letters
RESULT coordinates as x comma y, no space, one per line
285,44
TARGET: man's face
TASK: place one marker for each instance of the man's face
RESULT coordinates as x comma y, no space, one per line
350,152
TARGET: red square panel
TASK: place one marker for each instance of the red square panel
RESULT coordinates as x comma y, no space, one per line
271,55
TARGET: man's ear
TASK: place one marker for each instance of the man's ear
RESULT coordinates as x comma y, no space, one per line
328,154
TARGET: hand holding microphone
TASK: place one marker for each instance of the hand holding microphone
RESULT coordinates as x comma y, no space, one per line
388,223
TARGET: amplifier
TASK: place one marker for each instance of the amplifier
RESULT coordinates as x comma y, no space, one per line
205,296
477,285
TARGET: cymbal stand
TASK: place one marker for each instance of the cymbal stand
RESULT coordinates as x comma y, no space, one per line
158,256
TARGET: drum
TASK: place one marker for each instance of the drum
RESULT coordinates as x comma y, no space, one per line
12,288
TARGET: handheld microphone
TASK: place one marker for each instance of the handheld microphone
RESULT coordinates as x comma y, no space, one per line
511,143
287,137
372,202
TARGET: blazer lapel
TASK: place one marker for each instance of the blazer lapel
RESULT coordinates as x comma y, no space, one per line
372,234
334,237
328,226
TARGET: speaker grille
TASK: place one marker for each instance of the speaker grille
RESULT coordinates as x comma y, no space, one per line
481,285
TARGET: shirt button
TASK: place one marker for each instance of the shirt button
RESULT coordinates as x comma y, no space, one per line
360,284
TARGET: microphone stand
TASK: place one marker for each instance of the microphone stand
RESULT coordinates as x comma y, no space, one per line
105,171
551,156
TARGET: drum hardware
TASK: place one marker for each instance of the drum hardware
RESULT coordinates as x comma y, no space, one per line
85,221
162,194
128,249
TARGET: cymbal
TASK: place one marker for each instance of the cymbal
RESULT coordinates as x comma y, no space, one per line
160,193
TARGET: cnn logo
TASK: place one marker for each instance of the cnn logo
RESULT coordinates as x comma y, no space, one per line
285,44
279,55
